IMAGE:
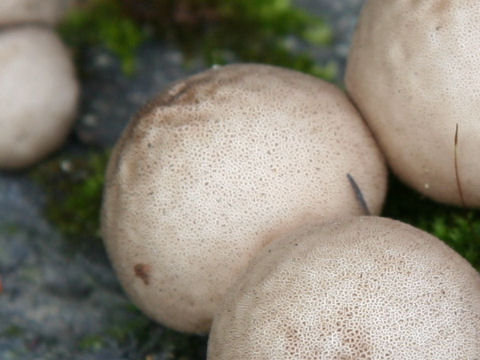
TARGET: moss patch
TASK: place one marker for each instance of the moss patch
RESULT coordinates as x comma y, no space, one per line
91,343
267,31
459,228
104,22
134,331
9,229
73,186
12,331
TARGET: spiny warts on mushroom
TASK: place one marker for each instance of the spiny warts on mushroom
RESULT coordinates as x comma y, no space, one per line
38,95
413,71
356,288
218,165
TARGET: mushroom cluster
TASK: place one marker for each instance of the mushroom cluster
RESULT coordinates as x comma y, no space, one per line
234,197
38,88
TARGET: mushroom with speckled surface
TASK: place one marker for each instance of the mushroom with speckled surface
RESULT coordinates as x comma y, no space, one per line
413,72
218,165
356,288
38,95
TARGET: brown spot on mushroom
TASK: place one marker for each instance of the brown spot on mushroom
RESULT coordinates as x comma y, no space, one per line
143,272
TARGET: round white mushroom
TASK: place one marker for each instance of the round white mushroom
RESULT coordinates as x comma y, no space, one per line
27,11
357,288
38,95
413,72
217,166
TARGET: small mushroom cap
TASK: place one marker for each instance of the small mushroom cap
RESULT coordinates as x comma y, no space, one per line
26,11
218,165
38,95
413,71
357,288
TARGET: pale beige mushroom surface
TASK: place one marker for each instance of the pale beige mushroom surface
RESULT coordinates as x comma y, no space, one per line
218,165
356,288
38,95
413,72
39,11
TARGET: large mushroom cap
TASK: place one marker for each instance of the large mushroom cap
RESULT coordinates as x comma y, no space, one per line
38,95
26,11
359,288
218,165
413,71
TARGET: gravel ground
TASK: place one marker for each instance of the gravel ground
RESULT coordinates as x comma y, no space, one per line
53,299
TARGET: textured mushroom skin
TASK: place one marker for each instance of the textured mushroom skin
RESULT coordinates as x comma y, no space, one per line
38,95
358,288
413,71
26,11
218,165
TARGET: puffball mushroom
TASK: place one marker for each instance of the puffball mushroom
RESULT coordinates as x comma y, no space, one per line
413,71
38,95
218,165
356,288
26,11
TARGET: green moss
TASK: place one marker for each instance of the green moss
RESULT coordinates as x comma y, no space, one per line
132,330
73,186
12,331
182,346
266,31
135,324
263,31
91,343
459,228
104,22
9,229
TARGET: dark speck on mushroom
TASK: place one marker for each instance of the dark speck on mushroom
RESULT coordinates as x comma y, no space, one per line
143,272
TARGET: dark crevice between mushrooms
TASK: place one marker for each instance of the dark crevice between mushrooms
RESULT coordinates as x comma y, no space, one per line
457,173
359,195
459,182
